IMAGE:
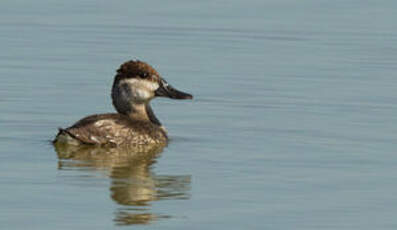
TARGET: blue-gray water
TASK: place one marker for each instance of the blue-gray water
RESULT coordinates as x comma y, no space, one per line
293,125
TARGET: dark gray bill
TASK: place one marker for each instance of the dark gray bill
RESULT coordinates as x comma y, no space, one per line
166,90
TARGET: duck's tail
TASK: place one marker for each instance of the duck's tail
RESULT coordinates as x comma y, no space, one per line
64,136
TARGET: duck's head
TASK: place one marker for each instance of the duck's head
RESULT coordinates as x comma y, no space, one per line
136,82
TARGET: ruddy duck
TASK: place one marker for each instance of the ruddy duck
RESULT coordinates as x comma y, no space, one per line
135,84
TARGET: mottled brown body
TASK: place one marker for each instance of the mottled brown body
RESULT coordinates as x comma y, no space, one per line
115,129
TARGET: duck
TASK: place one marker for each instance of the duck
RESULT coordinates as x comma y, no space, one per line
135,84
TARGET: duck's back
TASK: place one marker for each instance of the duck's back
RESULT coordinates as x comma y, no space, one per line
111,129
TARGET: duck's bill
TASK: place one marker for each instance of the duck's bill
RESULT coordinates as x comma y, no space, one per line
166,90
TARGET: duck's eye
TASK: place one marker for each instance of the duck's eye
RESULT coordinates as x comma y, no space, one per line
143,74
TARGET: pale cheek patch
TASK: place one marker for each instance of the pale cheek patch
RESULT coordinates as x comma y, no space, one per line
142,94
141,84
141,89
150,85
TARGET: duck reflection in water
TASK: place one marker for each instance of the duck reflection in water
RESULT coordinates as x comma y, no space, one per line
133,185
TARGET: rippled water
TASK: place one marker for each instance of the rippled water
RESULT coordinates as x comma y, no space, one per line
292,125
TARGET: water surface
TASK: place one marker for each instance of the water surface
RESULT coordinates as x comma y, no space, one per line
292,125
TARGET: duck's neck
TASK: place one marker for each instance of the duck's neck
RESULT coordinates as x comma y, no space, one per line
142,112
124,104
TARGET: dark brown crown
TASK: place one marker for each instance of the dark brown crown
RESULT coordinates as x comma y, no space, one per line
136,69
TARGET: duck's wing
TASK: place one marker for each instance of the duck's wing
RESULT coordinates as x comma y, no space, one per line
98,129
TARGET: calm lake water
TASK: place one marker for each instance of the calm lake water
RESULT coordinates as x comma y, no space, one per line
293,125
